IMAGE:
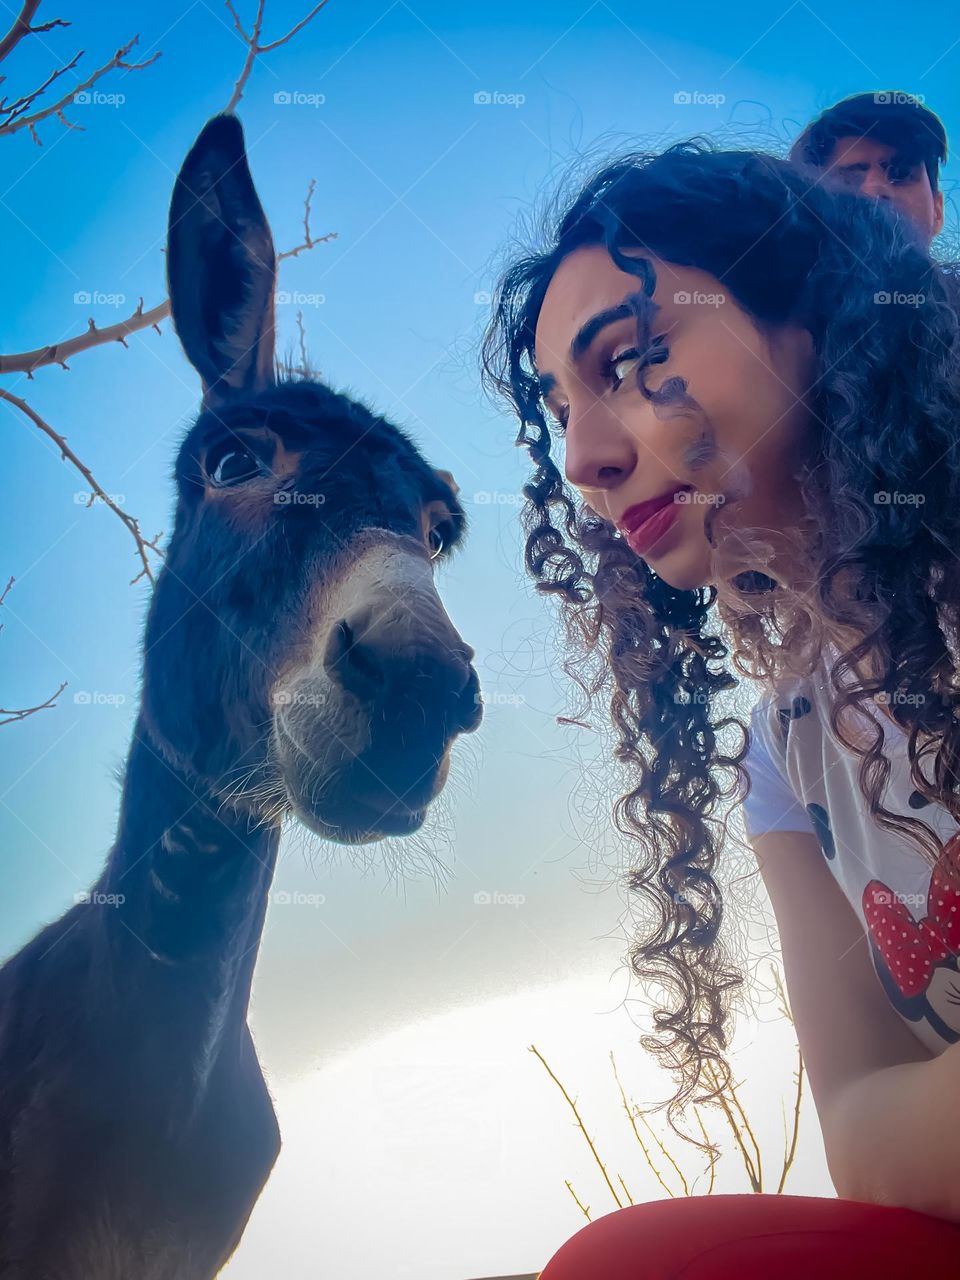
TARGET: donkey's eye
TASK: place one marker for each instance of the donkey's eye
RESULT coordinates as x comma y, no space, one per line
436,541
232,464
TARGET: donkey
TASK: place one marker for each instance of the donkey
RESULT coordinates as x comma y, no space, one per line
296,659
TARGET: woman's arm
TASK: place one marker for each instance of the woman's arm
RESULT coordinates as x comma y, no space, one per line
895,1135
857,1049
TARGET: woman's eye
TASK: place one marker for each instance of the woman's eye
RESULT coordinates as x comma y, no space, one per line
620,366
557,418
233,466
436,541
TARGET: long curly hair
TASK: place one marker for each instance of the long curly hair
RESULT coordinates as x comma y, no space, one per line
877,550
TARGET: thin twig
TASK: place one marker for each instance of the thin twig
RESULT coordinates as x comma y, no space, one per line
23,26
255,48
790,1150
17,120
713,1150
66,453
584,1209
573,1107
93,336
752,1172
12,716
632,1112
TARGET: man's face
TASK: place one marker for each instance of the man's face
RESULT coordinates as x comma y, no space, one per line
875,169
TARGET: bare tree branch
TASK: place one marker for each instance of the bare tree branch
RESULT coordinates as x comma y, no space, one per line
14,112
61,352
93,336
66,453
23,27
255,48
22,713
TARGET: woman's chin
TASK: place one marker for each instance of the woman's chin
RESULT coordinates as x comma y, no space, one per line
682,567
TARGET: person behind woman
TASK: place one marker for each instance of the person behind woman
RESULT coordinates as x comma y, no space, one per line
754,384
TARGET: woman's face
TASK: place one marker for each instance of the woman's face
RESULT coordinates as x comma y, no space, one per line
732,425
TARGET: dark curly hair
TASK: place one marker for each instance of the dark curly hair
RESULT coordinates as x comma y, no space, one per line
885,576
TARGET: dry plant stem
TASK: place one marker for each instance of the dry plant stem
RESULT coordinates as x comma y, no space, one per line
753,1173
94,337
10,716
715,1155
255,48
66,453
60,352
573,1107
23,26
15,113
632,1112
13,117
790,1147
584,1209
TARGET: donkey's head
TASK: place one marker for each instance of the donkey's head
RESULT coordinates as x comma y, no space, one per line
297,653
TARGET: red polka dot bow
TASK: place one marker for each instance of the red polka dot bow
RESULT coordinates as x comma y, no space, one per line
912,949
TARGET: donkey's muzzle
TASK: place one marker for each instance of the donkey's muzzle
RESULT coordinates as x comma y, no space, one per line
411,672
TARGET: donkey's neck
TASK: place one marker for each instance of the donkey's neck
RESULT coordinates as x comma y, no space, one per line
183,899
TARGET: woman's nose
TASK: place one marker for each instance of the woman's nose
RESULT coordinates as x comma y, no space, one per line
600,452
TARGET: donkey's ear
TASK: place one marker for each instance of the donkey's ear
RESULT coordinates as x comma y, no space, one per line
447,478
221,265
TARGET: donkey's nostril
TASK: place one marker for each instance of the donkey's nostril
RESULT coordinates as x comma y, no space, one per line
352,663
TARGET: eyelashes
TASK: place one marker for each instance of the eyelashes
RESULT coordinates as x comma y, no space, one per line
656,353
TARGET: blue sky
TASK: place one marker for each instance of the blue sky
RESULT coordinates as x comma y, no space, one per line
424,186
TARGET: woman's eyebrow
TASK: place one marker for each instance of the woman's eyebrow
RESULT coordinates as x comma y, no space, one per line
635,304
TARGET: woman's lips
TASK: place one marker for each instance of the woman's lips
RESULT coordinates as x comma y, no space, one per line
647,522
643,537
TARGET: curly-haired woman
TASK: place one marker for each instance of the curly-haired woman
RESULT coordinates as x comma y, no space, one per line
755,385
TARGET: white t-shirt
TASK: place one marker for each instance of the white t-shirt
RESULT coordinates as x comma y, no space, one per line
804,779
